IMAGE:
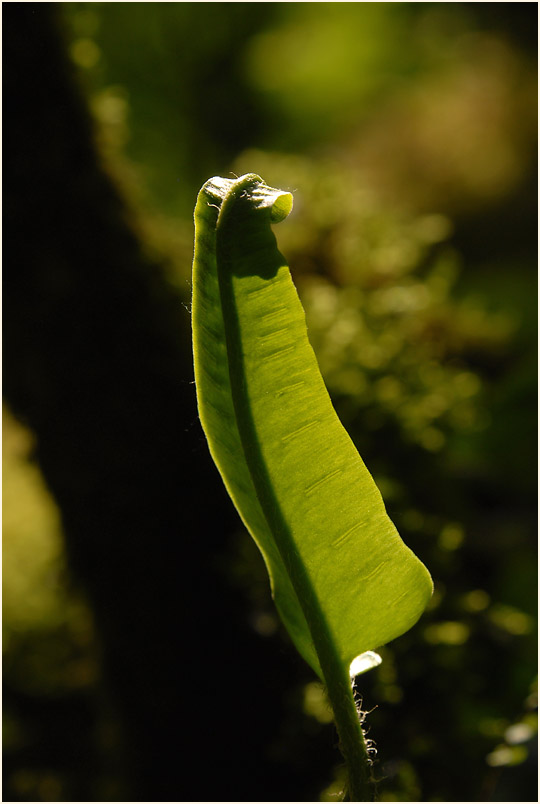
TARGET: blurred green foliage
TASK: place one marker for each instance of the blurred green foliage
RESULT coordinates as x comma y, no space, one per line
47,629
48,640
408,135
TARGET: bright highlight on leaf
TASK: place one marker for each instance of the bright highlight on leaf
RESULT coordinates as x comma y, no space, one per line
340,573
366,661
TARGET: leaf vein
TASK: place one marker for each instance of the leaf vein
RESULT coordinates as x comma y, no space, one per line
277,312
273,334
292,387
300,430
396,601
325,479
278,352
375,571
344,536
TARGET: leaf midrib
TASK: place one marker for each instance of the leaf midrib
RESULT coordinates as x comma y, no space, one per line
321,633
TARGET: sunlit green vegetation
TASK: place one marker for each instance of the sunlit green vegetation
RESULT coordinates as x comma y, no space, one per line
342,579
408,135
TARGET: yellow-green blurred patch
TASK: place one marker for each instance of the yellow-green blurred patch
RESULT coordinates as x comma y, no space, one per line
48,630
32,544
316,703
475,600
507,755
511,620
447,633
451,536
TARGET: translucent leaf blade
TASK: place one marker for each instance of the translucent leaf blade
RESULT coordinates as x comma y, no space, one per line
290,467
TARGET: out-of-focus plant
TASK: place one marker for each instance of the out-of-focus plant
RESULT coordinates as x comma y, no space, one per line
48,636
41,613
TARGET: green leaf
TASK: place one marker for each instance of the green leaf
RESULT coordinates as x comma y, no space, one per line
342,579
302,490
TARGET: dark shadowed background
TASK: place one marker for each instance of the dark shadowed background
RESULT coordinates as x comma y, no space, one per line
143,659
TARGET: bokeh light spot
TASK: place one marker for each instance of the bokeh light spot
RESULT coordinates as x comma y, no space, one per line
85,53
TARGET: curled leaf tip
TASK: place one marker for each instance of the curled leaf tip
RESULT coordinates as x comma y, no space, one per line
281,207
251,187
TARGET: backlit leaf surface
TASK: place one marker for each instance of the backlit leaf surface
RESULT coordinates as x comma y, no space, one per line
340,572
